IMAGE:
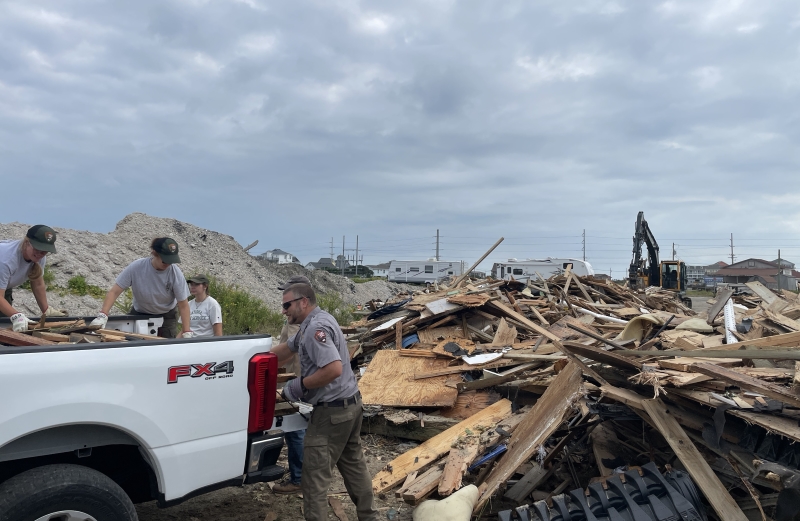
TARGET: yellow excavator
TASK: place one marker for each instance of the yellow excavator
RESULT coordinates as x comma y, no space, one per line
644,272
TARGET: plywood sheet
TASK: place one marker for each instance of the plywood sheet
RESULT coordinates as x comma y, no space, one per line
434,335
389,381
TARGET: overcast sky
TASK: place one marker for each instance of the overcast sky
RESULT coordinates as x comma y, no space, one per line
297,122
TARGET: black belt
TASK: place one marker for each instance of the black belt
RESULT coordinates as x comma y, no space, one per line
344,402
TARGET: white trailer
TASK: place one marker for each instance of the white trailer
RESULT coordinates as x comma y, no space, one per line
527,269
423,272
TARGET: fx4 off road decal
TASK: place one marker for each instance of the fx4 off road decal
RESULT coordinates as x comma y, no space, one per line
209,371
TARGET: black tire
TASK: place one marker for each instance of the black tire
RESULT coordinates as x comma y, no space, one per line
55,488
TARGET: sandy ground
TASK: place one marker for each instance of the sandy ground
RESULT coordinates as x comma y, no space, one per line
254,502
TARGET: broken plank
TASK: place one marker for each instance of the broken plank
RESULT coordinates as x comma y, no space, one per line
776,392
9,337
762,291
527,323
604,444
125,334
529,482
53,337
423,486
437,446
605,357
684,363
708,482
462,369
457,462
786,340
505,335
536,427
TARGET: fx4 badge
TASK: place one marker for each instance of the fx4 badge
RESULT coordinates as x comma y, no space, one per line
210,371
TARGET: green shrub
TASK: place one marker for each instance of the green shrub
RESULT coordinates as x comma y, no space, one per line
77,285
125,301
332,303
243,313
48,276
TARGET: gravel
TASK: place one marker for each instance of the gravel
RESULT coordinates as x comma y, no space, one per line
101,257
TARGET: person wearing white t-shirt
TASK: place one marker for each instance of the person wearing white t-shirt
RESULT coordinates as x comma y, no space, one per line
23,260
204,310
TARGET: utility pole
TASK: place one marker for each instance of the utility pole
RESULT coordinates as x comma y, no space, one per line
673,251
584,245
342,256
331,249
437,244
732,256
356,255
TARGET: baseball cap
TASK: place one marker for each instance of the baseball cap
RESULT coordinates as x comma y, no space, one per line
167,249
297,279
198,279
42,238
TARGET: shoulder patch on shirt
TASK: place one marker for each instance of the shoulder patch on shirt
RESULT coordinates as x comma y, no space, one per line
320,336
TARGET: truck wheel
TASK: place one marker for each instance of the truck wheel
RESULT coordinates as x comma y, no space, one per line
64,493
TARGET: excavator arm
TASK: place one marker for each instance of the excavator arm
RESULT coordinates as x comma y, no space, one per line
637,270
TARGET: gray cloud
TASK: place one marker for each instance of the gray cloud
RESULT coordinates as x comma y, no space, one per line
297,122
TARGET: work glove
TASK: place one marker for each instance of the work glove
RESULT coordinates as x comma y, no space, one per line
101,320
53,312
20,322
293,390
188,334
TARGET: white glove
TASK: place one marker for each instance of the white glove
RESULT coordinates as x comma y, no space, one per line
101,320
188,334
53,312
20,322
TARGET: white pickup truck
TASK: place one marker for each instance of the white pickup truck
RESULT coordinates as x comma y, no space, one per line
87,430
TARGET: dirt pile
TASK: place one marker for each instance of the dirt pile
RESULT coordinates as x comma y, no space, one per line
100,257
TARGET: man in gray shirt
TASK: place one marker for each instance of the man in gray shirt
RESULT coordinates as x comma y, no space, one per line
327,382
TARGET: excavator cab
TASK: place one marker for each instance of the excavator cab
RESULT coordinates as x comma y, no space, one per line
673,276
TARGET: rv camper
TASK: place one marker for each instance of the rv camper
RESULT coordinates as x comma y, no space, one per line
525,270
423,272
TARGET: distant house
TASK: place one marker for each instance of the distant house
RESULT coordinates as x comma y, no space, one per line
279,256
695,275
328,263
380,270
712,269
768,273
784,263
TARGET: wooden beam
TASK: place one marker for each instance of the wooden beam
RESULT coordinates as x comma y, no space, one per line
776,392
762,291
605,357
398,332
532,479
53,337
787,340
722,298
744,354
594,335
708,482
437,446
12,338
536,427
529,324
464,275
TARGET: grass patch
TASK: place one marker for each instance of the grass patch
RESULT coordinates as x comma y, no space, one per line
48,276
125,301
243,313
699,293
332,303
360,280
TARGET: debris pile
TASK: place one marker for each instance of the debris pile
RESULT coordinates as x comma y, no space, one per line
57,331
578,386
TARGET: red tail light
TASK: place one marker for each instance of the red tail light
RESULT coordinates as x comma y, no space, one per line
262,381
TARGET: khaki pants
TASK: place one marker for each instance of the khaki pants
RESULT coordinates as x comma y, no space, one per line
333,440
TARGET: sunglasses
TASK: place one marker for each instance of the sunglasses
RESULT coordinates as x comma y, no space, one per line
288,304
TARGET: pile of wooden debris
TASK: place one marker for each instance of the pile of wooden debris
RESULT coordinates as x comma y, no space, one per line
530,390
57,331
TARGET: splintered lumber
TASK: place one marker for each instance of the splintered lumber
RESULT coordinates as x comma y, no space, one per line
708,482
411,478
457,462
125,334
429,451
423,486
532,479
594,335
788,340
389,381
12,338
762,291
505,336
722,298
54,337
605,357
507,311
684,363
776,392
463,276
536,427
604,444
784,426
719,354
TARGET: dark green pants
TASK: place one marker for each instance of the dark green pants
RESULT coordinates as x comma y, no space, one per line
170,327
333,439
